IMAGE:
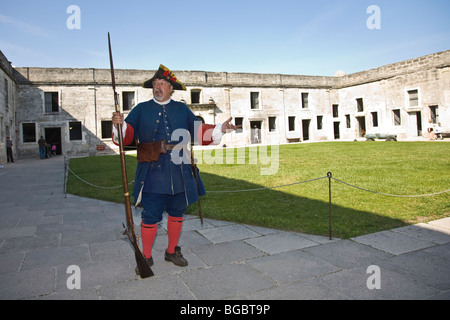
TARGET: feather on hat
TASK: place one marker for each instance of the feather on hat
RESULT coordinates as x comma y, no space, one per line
165,74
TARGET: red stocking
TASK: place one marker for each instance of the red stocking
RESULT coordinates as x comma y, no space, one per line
174,225
148,234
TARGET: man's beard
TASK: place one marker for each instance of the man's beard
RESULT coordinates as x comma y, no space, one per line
158,95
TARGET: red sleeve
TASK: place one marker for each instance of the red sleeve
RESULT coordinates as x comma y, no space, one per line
128,138
204,134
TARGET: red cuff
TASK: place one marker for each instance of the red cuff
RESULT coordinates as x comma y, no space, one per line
128,138
204,134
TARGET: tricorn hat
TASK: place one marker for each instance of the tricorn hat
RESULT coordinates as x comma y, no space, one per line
165,74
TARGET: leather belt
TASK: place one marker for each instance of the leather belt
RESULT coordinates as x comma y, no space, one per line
150,151
170,147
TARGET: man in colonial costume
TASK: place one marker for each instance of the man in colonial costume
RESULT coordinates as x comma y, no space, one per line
166,184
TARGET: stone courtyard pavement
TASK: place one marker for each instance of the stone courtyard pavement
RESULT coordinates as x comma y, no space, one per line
43,232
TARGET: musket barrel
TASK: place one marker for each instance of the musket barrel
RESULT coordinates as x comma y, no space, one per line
143,267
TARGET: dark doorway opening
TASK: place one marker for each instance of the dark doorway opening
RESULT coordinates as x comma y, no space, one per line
361,126
419,123
305,129
336,130
53,137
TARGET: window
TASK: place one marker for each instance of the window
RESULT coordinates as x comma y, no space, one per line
319,122
360,105
272,124
434,114
107,129
291,121
238,122
413,96
347,121
375,119
74,131
397,119
195,96
127,100
51,102
29,132
335,110
254,100
305,100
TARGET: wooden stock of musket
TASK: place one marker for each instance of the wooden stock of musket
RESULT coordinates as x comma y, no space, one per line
143,267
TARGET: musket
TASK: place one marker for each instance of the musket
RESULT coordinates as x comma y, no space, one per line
194,169
143,267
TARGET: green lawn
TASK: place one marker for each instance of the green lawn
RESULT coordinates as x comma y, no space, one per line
402,168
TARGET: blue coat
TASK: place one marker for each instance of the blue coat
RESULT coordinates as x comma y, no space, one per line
153,122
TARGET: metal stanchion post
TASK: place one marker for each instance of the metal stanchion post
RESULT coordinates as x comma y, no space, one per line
65,179
329,175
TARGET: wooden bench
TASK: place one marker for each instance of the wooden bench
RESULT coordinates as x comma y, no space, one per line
445,135
381,136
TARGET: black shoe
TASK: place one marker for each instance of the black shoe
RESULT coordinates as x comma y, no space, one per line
176,257
149,262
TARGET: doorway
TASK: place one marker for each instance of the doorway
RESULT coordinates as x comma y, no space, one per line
415,123
53,137
336,130
419,123
255,129
361,126
305,129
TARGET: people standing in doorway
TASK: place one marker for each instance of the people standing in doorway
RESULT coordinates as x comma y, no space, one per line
255,134
42,146
9,151
48,150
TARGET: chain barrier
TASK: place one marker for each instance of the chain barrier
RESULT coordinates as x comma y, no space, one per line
92,185
329,176
266,188
281,186
391,195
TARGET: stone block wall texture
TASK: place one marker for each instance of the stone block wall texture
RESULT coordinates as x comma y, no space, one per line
85,95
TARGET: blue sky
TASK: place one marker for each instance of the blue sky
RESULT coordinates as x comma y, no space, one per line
282,36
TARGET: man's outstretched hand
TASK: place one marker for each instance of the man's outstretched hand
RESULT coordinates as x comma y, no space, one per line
227,126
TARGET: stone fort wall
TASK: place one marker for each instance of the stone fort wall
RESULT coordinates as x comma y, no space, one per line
398,98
